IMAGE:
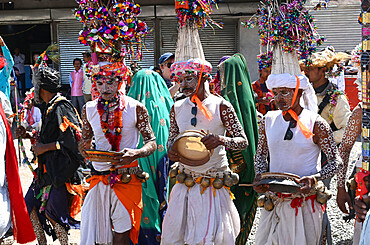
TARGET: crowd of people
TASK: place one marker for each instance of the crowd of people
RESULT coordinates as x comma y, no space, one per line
150,191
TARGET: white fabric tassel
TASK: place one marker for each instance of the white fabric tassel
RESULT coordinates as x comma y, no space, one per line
284,62
188,44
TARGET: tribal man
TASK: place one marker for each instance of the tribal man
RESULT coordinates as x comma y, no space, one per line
292,138
57,180
201,211
114,199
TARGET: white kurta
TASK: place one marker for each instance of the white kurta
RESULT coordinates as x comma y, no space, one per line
297,156
194,218
5,219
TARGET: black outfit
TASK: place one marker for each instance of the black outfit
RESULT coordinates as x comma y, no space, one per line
57,167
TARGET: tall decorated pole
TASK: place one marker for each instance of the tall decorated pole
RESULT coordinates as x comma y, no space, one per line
365,75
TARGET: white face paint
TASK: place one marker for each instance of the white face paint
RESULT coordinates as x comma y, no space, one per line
189,83
107,87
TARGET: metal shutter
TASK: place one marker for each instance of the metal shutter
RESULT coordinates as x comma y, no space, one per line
339,26
216,42
148,48
69,47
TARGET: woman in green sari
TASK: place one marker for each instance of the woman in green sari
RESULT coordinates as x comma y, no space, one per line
236,87
149,88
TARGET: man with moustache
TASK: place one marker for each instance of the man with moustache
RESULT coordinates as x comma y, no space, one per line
199,214
292,138
114,199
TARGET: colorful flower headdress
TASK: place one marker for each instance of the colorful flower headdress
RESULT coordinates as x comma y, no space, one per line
117,70
112,30
264,60
192,66
195,11
288,25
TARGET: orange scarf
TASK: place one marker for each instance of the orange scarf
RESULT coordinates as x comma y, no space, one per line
306,132
199,103
130,196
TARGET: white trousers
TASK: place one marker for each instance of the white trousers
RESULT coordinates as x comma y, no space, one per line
100,211
282,226
200,219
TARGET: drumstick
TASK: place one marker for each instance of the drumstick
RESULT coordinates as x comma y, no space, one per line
248,185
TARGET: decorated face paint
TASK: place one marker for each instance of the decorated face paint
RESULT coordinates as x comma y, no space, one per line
283,97
107,87
189,83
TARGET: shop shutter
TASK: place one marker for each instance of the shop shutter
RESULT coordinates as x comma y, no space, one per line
70,48
216,42
340,26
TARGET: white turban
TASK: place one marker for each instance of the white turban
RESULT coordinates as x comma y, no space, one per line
308,99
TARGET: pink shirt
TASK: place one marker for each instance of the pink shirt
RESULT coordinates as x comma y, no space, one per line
77,81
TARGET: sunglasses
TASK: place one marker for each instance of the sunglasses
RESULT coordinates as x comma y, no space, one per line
169,65
194,111
289,132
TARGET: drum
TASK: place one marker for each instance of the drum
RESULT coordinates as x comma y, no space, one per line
103,156
191,149
281,182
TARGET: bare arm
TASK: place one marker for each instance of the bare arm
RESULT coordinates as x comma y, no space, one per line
353,130
87,133
325,140
260,159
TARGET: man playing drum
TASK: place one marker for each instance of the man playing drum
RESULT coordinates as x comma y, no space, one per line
293,137
200,208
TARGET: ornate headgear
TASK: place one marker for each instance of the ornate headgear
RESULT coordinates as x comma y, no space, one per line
112,30
327,58
192,66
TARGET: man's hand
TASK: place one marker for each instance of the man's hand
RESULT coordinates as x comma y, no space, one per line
343,198
211,141
20,132
308,183
172,155
2,43
259,188
84,145
360,209
40,148
129,155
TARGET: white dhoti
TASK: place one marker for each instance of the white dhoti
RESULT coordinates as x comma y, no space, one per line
101,210
283,225
200,219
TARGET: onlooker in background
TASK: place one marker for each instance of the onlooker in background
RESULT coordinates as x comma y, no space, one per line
156,69
33,116
86,88
6,64
7,107
165,62
215,85
19,64
264,95
76,80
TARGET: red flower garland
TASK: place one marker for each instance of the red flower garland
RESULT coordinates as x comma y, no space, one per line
113,139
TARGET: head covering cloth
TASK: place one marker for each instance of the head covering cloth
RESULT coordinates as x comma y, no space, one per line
237,89
149,88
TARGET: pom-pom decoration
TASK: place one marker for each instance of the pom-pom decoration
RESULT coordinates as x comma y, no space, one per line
356,56
289,24
112,29
195,11
264,60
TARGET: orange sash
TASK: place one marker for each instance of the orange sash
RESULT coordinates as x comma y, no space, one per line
130,196
306,132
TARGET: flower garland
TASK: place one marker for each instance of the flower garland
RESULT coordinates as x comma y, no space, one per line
333,100
195,11
114,139
356,56
289,24
112,28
